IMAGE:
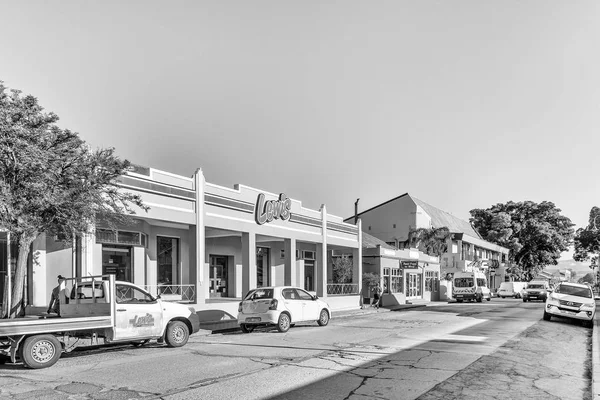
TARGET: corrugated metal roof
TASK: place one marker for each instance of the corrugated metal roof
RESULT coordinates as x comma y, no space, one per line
441,218
371,242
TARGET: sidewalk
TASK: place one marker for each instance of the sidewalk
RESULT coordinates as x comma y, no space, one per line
596,353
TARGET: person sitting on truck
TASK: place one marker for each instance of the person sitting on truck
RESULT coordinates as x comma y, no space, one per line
54,306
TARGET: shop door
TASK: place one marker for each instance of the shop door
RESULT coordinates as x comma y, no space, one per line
263,267
309,276
117,260
218,276
414,286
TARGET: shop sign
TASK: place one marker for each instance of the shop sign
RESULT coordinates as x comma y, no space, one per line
268,210
410,264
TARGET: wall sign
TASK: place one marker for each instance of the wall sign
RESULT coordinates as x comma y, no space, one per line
410,264
268,210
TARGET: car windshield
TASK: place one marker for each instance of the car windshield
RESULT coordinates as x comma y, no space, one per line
530,286
463,282
259,294
574,291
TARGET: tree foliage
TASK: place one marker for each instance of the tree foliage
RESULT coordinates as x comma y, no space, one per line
587,240
535,233
51,181
587,278
433,241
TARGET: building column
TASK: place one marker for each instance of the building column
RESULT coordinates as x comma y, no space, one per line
248,262
357,259
321,262
289,274
201,271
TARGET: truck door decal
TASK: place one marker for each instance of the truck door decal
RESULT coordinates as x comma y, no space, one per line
146,320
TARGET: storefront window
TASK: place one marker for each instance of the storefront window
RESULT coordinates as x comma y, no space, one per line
167,262
392,280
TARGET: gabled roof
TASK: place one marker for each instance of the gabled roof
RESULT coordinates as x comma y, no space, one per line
371,242
441,218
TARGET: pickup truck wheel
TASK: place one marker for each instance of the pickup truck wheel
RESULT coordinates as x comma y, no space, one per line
177,334
41,351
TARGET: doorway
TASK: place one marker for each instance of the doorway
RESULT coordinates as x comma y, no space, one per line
218,276
309,275
117,260
263,277
413,286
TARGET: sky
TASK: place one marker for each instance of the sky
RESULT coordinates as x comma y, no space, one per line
462,104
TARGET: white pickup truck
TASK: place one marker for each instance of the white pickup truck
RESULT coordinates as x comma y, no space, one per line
95,311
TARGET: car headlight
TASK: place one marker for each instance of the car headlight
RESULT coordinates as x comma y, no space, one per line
588,306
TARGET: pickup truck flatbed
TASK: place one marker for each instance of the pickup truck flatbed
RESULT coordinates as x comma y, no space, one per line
95,311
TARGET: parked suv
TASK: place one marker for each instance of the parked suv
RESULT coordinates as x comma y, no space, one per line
571,300
536,290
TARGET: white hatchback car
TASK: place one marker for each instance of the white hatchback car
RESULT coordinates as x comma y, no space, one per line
281,306
571,300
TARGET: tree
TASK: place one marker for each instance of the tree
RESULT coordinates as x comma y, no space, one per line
587,278
342,269
587,240
535,233
51,181
433,241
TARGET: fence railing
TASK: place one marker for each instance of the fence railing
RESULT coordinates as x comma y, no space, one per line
342,288
173,292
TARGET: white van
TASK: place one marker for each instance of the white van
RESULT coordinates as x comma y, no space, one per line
511,289
470,286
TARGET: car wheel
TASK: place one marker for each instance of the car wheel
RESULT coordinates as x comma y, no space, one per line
177,334
479,299
524,300
323,318
247,328
459,301
283,324
503,297
40,351
547,316
489,298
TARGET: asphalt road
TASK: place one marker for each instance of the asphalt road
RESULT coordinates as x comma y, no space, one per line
495,350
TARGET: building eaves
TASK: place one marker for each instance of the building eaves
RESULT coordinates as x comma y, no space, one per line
440,218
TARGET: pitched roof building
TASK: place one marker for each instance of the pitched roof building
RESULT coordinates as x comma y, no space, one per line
392,220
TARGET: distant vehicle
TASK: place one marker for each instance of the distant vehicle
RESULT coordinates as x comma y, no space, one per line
99,311
470,286
281,306
511,289
571,300
536,290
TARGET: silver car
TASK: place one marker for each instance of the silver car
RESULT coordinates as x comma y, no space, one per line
281,306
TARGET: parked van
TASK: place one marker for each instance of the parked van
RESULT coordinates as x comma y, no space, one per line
511,289
470,286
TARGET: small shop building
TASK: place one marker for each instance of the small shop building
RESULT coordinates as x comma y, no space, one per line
206,245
